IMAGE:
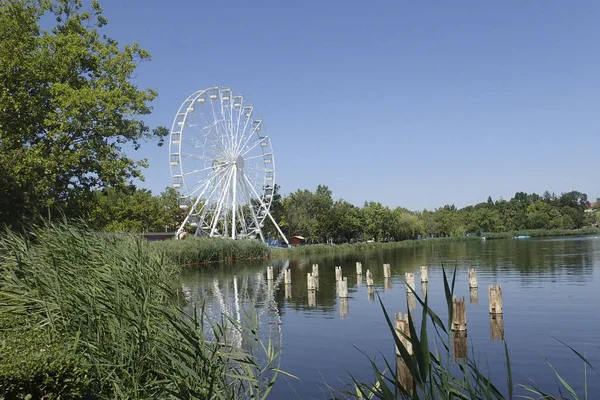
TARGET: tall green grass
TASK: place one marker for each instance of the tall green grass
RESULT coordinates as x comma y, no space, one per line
427,373
201,250
107,307
363,246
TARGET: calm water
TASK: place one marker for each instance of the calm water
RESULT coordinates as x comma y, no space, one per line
551,291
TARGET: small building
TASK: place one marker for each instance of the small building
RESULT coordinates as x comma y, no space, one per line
297,241
158,235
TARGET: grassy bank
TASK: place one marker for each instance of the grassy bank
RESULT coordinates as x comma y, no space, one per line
363,246
99,316
544,233
202,250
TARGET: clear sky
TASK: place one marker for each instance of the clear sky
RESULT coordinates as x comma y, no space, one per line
413,104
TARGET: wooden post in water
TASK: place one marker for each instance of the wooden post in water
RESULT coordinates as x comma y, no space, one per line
424,274
343,288
495,297
358,268
410,281
310,280
473,295
270,273
316,270
369,278
386,271
338,273
401,325
497,327
423,289
459,314
288,276
472,278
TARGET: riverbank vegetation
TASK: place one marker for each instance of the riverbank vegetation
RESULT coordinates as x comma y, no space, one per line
96,315
200,250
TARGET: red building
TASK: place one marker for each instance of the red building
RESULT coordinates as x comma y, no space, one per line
296,241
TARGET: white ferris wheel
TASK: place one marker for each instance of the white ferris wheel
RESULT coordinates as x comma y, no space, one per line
223,165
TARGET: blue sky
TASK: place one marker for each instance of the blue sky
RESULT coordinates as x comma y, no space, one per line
413,104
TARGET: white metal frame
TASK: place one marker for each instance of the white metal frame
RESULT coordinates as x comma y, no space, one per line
223,165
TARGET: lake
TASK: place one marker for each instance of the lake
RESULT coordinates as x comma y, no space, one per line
551,292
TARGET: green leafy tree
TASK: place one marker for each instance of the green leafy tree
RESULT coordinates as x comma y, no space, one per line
135,210
67,108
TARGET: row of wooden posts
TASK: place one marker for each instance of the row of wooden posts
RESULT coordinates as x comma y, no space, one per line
459,314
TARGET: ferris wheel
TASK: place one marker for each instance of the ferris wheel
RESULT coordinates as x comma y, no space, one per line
223,165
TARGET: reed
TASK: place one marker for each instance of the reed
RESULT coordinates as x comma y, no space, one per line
110,305
363,246
201,250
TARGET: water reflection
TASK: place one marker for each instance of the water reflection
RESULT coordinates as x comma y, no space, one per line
387,284
288,291
370,293
403,375
460,349
411,299
496,327
473,295
535,276
312,298
344,307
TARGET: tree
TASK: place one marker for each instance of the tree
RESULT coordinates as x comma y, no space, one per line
135,210
67,106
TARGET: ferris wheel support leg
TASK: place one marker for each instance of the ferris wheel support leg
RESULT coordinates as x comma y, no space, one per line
257,224
220,207
267,210
234,209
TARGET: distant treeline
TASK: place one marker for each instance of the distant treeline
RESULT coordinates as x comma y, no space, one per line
319,218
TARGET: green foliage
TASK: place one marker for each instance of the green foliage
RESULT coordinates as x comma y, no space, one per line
106,309
32,363
320,220
135,210
67,106
200,250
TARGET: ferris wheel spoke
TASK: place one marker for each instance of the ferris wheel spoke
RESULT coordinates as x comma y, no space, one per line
224,190
259,156
217,121
245,142
196,171
195,157
249,149
243,132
